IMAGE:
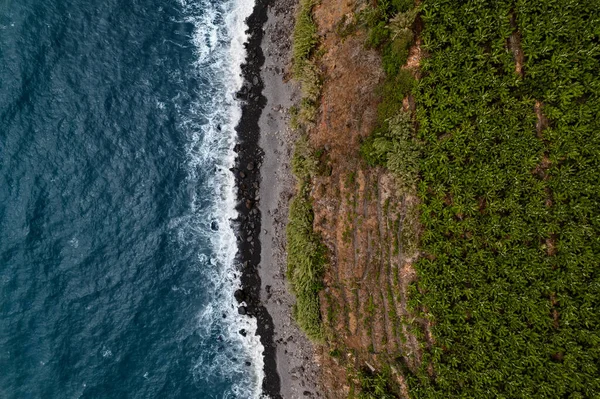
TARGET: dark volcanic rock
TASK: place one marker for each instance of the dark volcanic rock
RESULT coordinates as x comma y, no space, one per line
240,295
247,176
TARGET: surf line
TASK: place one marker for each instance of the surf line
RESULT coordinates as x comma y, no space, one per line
246,171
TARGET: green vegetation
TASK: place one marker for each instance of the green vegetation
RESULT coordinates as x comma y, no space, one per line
393,143
509,273
394,147
390,27
306,253
306,72
375,385
510,276
305,162
305,35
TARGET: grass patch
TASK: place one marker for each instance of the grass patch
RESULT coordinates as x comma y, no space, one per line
305,37
305,163
305,70
306,253
305,264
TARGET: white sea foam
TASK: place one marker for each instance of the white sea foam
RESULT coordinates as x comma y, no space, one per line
219,36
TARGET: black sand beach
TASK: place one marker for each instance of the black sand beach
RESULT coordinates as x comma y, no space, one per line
265,186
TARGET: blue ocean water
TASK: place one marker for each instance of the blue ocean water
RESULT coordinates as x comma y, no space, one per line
116,249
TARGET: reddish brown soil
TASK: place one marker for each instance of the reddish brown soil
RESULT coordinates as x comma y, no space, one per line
514,44
361,215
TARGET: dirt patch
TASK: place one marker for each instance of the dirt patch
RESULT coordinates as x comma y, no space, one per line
415,55
361,214
348,101
514,44
541,120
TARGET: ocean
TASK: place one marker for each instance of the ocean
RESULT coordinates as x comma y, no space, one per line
117,252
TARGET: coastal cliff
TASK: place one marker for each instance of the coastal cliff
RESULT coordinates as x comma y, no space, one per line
363,213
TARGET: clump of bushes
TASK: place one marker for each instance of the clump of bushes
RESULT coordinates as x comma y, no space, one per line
306,72
394,146
393,91
305,38
305,162
306,253
392,143
306,265
375,385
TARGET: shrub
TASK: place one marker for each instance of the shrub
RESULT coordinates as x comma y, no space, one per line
401,148
393,92
305,163
375,385
305,264
394,147
305,37
395,53
309,77
305,40
378,35
403,5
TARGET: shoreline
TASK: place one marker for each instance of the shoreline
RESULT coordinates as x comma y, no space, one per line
297,362
247,180
265,186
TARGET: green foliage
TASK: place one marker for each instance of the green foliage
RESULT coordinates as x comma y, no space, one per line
378,35
310,81
305,264
305,37
294,117
394,147
395,53
390,28
306,253
375,385
511,318
401,149
305,41
401,6
305,163
393,92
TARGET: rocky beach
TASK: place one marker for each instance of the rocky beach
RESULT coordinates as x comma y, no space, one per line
265,187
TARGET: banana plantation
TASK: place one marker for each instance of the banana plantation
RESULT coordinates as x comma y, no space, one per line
508,117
